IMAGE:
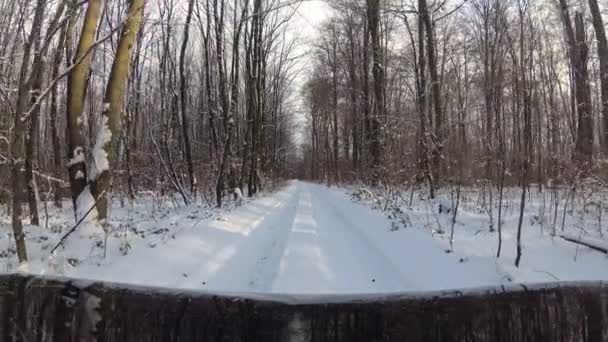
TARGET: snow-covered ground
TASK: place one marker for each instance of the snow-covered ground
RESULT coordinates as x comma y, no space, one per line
546,256
310,239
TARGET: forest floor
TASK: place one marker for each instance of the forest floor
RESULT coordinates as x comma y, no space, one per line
310,239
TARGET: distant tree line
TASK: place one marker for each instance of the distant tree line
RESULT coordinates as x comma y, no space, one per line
478,91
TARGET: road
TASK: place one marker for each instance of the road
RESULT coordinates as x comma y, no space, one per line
303,239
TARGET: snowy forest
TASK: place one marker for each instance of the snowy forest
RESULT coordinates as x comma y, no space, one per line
216,145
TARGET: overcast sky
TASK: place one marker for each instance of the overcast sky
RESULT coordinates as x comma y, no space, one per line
305,24
311,14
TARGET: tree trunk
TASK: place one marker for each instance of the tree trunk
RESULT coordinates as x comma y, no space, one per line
183,100
77,86
526,97
223,95
18,139
584,136
354,99
227,156
32,138
367,119
602,52
257,95
103,154
35,84
219,54
426,141
435,90
378,72
334,72
61,45
211,107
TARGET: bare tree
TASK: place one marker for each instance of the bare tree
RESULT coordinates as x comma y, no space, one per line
18,139
584,136
77,85
602,51
373,18
104,151
183,98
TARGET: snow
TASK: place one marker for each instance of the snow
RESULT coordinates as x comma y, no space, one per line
84,202
546,256
77,156
100,162
310,240
24,267
238,194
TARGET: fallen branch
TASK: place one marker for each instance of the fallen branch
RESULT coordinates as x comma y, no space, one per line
63,238
595,245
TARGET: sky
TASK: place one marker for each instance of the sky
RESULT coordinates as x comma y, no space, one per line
311,14
305,24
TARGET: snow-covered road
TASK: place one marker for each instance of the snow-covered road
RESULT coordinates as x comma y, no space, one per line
304,239
325,252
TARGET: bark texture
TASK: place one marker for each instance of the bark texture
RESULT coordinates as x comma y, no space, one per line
18,139
602,51
584,136
373,18
77,86
184,98
113,103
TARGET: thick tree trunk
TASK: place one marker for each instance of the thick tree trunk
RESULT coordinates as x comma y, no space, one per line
104,152
378,72
31,148
354,99
602,52
584,136
580,97
184,102
426,141
227,162
248,104
77,86
435,90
